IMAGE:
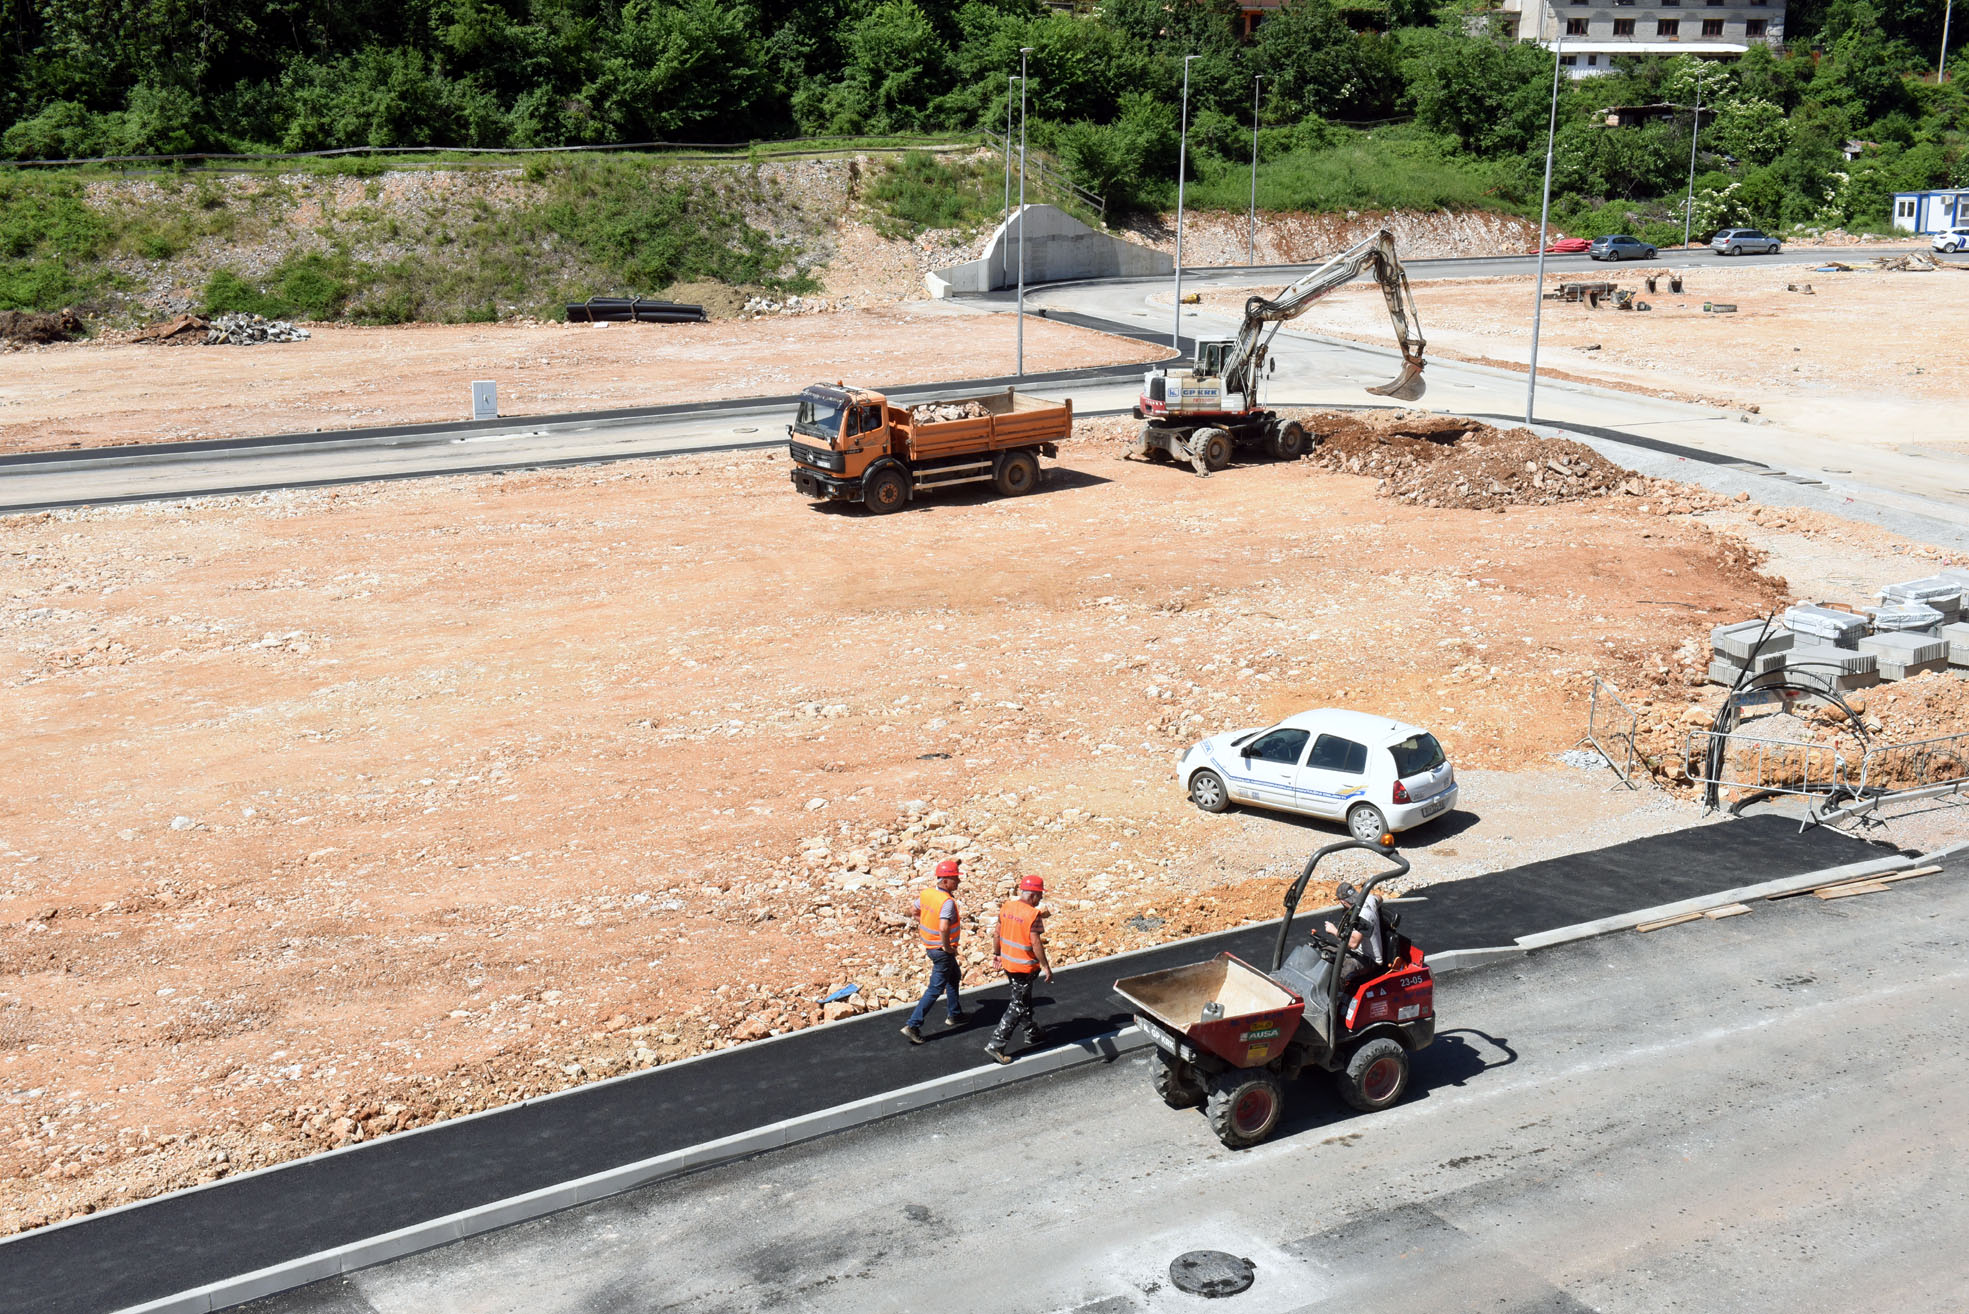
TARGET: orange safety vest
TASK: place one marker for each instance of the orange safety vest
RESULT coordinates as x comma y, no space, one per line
1016,921
929,922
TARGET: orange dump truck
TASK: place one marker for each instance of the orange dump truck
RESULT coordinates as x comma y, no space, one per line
853,445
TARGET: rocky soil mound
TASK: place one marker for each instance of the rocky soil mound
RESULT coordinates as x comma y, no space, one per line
35,327
1448,461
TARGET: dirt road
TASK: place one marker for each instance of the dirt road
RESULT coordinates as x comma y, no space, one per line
94,394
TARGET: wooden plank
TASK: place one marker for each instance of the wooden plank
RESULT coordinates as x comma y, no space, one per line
1909,875
1833,885
1727,910
1669,921
1849,889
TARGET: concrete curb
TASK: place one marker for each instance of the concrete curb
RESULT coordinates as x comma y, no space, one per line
1102,1048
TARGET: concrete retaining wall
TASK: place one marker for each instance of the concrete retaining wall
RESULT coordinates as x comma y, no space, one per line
1057,247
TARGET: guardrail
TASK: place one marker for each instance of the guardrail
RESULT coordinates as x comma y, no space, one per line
1052,183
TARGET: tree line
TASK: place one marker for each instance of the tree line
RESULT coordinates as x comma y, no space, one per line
105,77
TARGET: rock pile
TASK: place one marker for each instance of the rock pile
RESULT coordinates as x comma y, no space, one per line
239,329
937,412
1447,461
757,306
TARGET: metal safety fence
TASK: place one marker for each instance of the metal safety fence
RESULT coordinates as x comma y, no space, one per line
1051,183
1876,783
1610,728
1741,767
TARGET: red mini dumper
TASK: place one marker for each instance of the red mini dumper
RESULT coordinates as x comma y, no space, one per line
1228,1036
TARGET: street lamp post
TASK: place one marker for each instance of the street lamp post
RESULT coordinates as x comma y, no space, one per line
1182,155
1695,130
1251,252
1010,78
1941,63
1023,52
1544,216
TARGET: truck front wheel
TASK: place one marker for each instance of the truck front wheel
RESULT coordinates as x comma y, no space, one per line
885,491
1018,472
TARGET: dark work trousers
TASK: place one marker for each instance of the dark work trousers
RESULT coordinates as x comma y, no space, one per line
1018,1013
946,974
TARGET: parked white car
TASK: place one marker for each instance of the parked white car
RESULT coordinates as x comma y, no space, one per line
1375,774
1951,239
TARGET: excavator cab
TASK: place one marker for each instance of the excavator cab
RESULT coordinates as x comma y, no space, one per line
1211,355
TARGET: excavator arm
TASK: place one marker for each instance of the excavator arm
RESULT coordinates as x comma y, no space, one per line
1263,317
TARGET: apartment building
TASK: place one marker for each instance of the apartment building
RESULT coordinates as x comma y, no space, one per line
1595,31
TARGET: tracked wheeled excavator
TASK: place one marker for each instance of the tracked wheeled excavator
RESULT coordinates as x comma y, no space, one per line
1205,413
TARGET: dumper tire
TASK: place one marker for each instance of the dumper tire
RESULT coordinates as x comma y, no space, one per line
1244,1106
1017,474
1289,442
1376,1075
1211,449
1179,1083
885,492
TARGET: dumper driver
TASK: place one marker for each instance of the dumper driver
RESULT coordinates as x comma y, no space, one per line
1022,956
937,927
1365,952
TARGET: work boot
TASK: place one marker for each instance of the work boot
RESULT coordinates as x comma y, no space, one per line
956,1019
997,1055
915,1037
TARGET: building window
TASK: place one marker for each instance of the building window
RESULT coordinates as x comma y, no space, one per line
1668,27
1575,27
1904,209
1623,27
1592,60
1568,61
1754,27
1670,4
1712,27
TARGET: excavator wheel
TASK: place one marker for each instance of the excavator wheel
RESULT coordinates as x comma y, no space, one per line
1178,1083
1289,442
1210,449
1244,1106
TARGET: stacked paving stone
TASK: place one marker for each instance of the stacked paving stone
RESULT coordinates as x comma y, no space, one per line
1731,649
1919,626
243,330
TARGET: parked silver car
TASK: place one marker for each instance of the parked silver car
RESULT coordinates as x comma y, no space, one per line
1744,241
1620,248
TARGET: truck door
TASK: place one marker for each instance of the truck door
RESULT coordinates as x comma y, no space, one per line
1270,768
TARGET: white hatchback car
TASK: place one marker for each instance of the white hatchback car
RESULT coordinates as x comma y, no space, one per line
1951,239
1375,774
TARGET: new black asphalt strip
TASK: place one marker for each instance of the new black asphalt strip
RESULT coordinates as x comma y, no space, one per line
181,1242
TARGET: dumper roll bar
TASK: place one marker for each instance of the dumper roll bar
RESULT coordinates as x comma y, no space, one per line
1349,913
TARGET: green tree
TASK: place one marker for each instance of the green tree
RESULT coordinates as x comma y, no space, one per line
1754,131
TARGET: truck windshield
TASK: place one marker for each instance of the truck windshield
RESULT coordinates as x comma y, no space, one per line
820,415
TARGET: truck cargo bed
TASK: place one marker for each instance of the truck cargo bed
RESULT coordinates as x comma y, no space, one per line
1012,420
1259,1015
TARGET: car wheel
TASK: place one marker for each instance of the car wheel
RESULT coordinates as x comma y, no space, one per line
1207,791
1652,253
1365,823
1736,250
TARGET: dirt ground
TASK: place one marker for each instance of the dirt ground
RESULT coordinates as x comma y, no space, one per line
103,393
1866,356
333,813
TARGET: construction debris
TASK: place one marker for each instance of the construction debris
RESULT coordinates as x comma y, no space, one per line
1912,263
239,329
938,412
31,327
1446,461
183,330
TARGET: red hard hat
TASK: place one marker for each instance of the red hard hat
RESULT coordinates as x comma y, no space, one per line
948,867
1033,883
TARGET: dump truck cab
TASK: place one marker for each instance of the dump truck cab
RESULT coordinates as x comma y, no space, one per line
839,431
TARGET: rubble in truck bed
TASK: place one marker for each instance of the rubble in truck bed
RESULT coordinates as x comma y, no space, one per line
1451,461
938,412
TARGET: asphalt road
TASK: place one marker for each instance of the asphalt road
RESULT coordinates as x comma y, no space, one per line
1313,371
1769,1112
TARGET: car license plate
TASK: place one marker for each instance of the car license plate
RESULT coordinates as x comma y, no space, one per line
1431,809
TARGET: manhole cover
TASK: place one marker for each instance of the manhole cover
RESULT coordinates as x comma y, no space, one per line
1211,1273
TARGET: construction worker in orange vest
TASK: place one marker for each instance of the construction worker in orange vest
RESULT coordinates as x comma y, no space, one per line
937,927
1022,955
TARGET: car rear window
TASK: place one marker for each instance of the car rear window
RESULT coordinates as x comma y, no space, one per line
1416,754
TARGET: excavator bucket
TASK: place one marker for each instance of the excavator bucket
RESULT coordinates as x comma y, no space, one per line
1408,386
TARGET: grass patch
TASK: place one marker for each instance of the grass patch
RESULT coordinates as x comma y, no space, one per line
1399,168
920,192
